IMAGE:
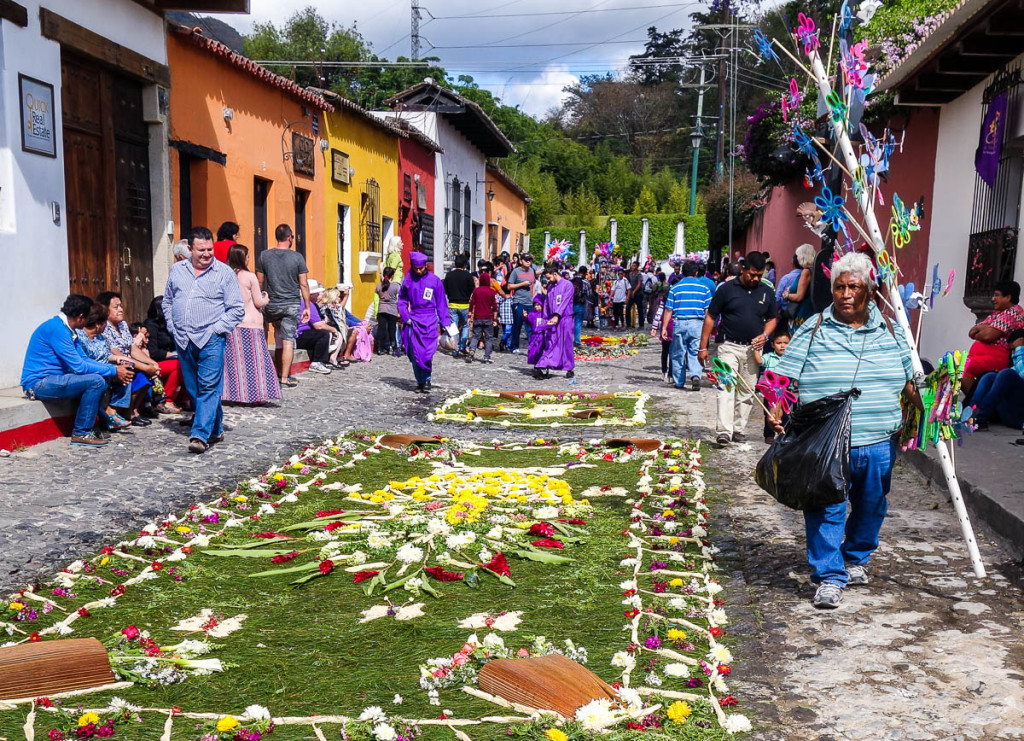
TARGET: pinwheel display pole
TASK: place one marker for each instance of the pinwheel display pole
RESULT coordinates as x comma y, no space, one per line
878,244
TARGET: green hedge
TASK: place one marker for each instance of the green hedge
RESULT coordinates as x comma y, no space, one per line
662,235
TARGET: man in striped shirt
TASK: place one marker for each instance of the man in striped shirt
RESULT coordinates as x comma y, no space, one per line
688,301
202,303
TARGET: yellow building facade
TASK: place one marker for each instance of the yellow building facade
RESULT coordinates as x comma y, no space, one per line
360,197
506,213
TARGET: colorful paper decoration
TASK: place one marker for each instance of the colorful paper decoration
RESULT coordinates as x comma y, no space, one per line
558,251
764,47
807,32
831,207
775,390
721,374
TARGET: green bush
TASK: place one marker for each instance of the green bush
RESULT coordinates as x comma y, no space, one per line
662,235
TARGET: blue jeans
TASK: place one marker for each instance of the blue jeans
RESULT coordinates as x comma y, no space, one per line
519,312
578,310
202,370
460,318
835,539
685,343
1000,395
89,389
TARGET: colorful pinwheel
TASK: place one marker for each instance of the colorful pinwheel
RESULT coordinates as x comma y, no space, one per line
764,47
832,213
807,32
558,251
775,390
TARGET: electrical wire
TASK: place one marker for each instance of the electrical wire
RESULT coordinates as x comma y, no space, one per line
557,12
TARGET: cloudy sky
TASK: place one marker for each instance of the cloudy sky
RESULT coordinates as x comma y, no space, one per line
523,51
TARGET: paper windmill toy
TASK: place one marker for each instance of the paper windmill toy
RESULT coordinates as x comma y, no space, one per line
776,392
558,251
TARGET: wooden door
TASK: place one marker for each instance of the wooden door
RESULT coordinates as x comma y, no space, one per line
301,197
88,177
260,188
134,218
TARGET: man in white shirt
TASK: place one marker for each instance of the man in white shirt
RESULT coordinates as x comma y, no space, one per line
620,292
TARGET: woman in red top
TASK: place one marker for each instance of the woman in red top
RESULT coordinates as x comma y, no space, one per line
990,351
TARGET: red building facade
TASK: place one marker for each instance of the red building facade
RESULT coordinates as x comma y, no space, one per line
416,191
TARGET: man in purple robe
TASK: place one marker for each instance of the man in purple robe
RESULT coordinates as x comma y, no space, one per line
558,353
422,309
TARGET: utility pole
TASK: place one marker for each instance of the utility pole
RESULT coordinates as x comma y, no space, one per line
414,33
722,66
696,136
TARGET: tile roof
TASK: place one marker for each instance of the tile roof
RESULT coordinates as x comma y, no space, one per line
245,64
508,182
344,103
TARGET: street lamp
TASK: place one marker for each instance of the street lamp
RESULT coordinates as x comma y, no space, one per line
695,138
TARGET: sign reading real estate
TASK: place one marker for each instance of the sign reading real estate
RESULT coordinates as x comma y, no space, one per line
38,133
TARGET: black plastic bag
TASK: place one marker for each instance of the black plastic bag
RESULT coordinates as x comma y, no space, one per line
808,467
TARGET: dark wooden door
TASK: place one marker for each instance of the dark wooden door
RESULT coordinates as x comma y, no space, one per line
260,188
88,177
301,198
134,219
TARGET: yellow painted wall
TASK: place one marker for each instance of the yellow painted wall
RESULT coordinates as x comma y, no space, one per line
508,209
373,153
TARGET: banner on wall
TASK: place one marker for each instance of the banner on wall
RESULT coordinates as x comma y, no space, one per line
990,141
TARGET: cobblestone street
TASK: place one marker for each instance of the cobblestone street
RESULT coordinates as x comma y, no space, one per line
924,651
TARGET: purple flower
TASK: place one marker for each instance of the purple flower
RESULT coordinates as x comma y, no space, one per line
652,642
658,565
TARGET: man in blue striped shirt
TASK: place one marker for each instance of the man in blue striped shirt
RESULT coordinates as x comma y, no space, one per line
202,303
688,300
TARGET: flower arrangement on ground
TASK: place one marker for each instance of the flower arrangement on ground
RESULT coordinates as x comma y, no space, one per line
544,409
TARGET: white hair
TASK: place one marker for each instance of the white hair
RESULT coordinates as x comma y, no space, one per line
859,265
181,249
395,244
805,254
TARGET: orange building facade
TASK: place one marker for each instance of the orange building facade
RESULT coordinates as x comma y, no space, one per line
506,214
245,147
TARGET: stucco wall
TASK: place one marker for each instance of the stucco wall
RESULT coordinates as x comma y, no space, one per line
34,281
255,141
508,210
414,159
373,153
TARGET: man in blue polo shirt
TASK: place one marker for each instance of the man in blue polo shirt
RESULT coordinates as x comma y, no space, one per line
688,301
56,370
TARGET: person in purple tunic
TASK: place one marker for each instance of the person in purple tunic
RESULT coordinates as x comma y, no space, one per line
422,309
538,328
558,353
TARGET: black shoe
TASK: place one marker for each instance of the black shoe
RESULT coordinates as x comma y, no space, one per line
195,445
426,387
214,439
739,437
420,389
538,373
141,421
185,422
570,374
695,383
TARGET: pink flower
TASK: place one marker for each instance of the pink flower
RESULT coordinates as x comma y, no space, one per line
459,659
131,632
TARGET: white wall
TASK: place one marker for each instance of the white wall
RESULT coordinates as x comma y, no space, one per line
460,160
946,326
34,281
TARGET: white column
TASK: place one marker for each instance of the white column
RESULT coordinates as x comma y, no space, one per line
645,235
613,230
583,248
680,246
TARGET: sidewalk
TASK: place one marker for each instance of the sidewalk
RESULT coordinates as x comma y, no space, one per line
990,469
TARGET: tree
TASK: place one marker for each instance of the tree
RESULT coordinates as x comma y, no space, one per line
645,203
678,201
659,46
583,208
614,206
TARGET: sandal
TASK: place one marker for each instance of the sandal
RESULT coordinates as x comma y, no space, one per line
344,363
168,408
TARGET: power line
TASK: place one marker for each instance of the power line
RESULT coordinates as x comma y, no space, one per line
553,43
559,12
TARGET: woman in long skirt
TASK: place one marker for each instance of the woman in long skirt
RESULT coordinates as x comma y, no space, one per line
249,374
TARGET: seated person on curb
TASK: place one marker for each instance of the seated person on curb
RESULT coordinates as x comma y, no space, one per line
56,370
315,335
92,345
119,339
1000,396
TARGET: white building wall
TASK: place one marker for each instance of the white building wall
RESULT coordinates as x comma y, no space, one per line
464,161
34,281
947,324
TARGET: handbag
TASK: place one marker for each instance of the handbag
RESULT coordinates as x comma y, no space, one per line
808,466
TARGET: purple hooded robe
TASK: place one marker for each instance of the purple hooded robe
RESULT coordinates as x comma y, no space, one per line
539,328
422,307
558,351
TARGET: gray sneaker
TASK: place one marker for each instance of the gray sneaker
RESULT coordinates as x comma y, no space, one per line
319,368
828,596
858,575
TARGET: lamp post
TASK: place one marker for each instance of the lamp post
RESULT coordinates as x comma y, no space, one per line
695,139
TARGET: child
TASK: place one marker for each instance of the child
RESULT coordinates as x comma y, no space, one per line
768,361
538,327
483,312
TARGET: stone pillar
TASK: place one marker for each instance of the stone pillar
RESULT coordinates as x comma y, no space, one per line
583,248
645,236
613,230
680,246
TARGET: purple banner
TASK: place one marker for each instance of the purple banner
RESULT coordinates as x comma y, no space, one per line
990,142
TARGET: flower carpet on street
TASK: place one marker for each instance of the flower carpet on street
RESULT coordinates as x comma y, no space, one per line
356,592
544,408
595,347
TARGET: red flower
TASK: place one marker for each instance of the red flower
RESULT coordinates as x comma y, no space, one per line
716,632
268,535
107,550
156,566
117,591
728,701
186,549
330,512
34,637
725,670
284,558
326,566
543,529
548,543
441,575
360,576
82,612
572,520
631,613
608,457
616,685
333,526
44,702
634,726
131,632
498,564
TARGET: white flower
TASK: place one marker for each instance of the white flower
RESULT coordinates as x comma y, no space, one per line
189,648
460,540
384,732
357,558
485,554
631,698
595,715
266,509
493,641
257,712
495,533
432,695
409,553
117,705
628,562
627,585
200,541
413,585
713,588
653,680
719,617
397,701
698,532
64,580
623,660
720,685
508,621
409,612
670,526
376,541
146,541
395,509
546,513
677,670
634,601
677,603
373,613
64,629
737,723
373,713
178,555
719,654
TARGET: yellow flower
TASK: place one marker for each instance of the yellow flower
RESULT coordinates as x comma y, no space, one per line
676,583
674,634
673,540
278,477
17,606
104,561
228,722
241,498
298,466
88,718
678,711
668,513
554,734
183,529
